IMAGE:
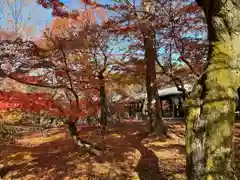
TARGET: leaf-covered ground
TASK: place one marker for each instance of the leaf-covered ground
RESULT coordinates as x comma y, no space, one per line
130,155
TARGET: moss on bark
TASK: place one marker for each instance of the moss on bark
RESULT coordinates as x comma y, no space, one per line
210,126
219,110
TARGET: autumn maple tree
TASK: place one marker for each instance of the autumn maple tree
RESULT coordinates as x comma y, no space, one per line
54,67
210,106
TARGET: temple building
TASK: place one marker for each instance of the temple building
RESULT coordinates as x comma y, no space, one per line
171,101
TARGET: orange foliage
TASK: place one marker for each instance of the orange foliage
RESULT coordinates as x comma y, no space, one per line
5,35
34,102
123,29
192,8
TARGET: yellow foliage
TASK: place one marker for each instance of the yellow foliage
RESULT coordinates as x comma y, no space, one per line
38,141
116,135
19,158
11,116
76,57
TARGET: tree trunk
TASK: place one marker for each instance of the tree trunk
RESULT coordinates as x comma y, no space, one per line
80,142
211,106
103,105
194,135
153,106
155,119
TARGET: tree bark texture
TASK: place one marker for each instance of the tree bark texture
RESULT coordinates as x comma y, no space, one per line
103,104
80,142
103,107
211,105
155,120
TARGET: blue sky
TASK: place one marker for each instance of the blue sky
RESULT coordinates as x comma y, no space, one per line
40,17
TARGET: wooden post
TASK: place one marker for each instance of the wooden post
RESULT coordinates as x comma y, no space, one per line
173,106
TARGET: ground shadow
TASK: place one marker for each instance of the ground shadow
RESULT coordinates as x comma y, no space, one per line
148,164
126,154
40,160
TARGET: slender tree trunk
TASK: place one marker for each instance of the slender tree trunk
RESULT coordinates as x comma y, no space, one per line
103,105
80,142
211,105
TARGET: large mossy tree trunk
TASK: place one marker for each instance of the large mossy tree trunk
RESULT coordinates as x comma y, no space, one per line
211,105
155,120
